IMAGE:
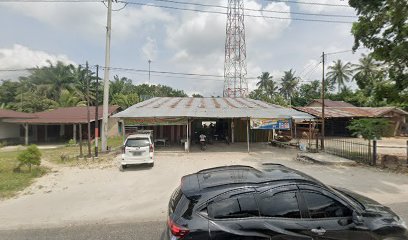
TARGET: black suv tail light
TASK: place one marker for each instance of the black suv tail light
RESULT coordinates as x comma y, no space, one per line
177,231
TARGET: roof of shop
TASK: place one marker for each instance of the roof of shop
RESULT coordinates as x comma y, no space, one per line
65,115
347,112
209,108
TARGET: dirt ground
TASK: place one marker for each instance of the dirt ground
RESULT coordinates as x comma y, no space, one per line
102,194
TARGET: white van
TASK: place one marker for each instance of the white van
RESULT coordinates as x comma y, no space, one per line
137,149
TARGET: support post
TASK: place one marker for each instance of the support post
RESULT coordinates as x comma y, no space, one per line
232,131
80,140
323,97
310,134
248,134
97,113
374,152
187,147
106,80
26,134
88,114
407,151
273,134
74,133
46,133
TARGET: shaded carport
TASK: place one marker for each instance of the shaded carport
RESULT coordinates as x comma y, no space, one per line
170,112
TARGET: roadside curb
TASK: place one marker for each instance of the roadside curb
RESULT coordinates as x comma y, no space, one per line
322,159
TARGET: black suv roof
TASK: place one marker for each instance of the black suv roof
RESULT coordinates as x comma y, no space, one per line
196,183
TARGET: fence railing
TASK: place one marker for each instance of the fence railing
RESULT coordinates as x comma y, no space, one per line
358,150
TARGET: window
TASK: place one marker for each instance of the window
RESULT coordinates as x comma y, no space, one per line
321,206
138,142
284,205
237,207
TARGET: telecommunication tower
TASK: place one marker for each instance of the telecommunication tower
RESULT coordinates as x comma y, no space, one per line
235,69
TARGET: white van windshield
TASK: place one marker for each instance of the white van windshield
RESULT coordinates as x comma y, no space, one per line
138,142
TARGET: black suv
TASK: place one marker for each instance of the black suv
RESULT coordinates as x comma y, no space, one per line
243,203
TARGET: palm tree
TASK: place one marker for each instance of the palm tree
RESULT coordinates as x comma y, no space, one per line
367,72
54,78
68,99
339,73
264,81
289,84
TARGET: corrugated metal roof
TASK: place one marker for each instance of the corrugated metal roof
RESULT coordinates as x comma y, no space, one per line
209,108
347,112
331,103
64,115
5,113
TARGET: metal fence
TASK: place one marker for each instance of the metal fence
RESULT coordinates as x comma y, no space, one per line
358,150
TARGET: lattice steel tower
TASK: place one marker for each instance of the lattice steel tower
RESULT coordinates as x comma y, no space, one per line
235,69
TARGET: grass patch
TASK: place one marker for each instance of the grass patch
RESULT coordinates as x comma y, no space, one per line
12,182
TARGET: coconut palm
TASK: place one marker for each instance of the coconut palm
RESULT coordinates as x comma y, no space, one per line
367,72
289,85
264,81
339,73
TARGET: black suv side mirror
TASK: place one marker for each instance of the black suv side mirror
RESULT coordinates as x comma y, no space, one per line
357,218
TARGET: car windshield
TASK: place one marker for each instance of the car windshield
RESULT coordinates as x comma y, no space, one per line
138,142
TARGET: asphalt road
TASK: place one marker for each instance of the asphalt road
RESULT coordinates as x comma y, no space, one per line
123,231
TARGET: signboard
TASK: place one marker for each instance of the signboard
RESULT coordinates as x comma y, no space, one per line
268,123
155,121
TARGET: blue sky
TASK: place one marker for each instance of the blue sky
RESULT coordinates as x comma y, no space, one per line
177,41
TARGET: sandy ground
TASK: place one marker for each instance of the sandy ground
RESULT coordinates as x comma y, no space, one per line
102,194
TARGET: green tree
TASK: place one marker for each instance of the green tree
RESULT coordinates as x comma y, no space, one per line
30,156
69,99
307,93
289,85
369,128
382,27
125,100
264,81
196,95
339,73
53,79
367,73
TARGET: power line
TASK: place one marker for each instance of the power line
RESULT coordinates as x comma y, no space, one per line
311,3
256,10
246,15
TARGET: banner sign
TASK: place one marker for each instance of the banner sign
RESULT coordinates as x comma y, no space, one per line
155,121
268,123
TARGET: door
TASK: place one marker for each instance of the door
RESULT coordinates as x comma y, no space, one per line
232,216
280,215
330,218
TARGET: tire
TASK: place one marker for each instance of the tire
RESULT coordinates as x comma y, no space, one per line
151,164
122,167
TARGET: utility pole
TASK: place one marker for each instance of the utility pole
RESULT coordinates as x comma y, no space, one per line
323,96
97,112
106,80
150,61
88,114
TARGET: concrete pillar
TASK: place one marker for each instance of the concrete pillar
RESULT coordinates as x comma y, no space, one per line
232,131
26,134
248,134
74,133
62,130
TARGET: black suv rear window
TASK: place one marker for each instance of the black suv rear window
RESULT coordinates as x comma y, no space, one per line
137,142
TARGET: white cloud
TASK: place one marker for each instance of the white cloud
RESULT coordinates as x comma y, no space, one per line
89,19
20,57
325,7
150,48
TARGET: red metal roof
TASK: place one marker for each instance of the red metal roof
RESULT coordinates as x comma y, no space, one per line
5,113
331,103
65,115
350,112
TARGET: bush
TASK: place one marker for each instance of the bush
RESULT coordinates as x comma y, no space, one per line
71,142
369,128
30,156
